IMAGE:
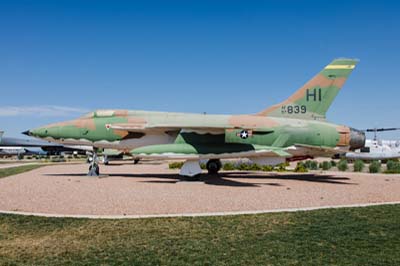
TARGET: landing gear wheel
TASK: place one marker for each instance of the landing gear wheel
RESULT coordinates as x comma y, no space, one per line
136,161
94,170
213,166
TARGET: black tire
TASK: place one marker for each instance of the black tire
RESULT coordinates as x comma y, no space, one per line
136,161
213,166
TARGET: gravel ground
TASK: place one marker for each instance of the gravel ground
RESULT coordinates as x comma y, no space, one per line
151,188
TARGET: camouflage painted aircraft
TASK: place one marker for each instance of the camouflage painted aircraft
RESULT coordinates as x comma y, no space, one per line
293,129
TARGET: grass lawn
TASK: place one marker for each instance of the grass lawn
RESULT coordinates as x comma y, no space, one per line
17,170
356,236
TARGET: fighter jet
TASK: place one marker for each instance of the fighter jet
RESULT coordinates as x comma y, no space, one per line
294,129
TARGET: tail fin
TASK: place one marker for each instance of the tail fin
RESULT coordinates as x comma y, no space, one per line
313,100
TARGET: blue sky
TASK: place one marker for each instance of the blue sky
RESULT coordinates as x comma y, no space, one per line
62,58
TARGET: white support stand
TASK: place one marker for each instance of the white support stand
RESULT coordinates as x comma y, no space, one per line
190,168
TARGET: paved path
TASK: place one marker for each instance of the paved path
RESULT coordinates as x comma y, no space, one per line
139,216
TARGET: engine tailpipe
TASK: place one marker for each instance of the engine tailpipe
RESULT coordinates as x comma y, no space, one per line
357,139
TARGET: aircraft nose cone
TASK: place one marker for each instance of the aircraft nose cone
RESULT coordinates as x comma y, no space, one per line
27,132
41,132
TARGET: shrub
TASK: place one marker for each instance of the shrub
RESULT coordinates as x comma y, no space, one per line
228,166
358,166
254,167
175,165
243,167
392,167
375,167
57,160
281,167
343,166
300,168
267,168
248,167
333,163
326,165
311,165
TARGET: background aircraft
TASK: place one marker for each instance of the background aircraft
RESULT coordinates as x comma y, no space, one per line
295,129
17,146
376,149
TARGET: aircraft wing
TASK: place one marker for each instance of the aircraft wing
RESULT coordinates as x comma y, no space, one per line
142,127
188,127
315,150
212,151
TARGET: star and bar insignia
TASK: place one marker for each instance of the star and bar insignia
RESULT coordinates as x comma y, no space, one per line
244,134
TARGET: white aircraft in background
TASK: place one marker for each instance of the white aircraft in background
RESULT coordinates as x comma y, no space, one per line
377,149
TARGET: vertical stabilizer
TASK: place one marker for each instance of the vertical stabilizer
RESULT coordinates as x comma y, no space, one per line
313,100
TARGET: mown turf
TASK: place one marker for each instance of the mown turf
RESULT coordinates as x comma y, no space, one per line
17,170
357,236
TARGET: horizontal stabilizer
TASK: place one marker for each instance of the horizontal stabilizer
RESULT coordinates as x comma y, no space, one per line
319,149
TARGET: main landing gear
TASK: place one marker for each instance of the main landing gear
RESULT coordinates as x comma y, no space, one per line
192,168
213,166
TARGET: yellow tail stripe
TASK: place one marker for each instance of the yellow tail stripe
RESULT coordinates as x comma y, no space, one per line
340,67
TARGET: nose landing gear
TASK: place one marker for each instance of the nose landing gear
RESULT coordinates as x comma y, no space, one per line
94,169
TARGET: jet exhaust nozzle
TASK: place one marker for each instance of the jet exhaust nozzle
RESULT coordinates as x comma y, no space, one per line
357,139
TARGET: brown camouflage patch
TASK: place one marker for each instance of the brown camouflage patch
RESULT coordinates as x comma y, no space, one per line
136,120
252,121
344,135
121,113
121,133
85,123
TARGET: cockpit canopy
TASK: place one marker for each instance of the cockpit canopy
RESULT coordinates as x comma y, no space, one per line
102,113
